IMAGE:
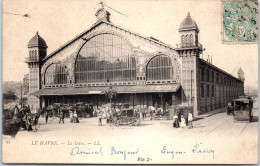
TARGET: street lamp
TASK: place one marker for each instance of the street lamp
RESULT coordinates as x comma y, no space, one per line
111,94
21,97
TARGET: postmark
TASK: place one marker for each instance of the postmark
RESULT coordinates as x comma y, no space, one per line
240,21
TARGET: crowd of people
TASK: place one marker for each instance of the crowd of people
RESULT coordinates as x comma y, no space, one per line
184,120
72,113
181,119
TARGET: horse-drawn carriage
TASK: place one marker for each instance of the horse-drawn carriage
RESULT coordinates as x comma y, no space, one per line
53,110
84,109
10,125
66,109
242,109
126,116
119,106
158,113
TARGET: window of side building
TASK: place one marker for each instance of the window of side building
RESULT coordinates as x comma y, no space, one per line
213,91
202,91
202,74
208,91
217,79
208,75
213,76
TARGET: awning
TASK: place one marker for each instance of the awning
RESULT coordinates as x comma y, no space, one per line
102,89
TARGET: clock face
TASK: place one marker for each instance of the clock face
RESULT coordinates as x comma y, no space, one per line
101,14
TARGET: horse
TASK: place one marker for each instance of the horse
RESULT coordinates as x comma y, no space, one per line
152,111
105,114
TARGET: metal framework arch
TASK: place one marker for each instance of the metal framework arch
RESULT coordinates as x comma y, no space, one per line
105,56
173,61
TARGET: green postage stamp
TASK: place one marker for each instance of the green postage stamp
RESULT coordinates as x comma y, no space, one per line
240,21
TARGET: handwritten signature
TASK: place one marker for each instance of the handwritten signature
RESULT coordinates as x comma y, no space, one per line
198,148
123,152
77,151
171,152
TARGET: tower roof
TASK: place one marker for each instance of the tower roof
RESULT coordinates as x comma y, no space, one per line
188,23
240,71
37,41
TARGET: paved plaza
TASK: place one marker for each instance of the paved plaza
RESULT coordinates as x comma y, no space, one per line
215,130
217,123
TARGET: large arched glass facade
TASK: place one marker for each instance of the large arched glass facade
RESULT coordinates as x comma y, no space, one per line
55,74
105,58
159,68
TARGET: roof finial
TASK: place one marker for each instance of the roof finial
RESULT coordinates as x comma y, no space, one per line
188,15
37,33
102,4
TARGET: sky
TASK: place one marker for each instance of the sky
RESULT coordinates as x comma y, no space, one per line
58,21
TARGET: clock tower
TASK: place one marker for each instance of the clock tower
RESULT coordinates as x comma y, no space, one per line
102,14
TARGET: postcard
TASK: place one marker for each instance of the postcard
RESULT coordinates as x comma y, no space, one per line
130,82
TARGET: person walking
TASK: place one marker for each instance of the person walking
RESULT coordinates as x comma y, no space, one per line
61,116
190,119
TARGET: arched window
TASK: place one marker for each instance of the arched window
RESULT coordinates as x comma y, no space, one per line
33,54
55,74
30,54
182,39
159,68
105,58
191,40
187,39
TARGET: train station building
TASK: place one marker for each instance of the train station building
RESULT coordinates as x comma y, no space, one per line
142,70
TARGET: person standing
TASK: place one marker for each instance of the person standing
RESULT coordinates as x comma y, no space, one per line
190,119
183,122
16,111
144,111
176,121
75,115
229,109
186,114
99,115
156,105
46,116
61,116
71,117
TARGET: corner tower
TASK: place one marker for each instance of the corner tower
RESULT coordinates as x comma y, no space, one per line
37,52
189,50
241,75
189,37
